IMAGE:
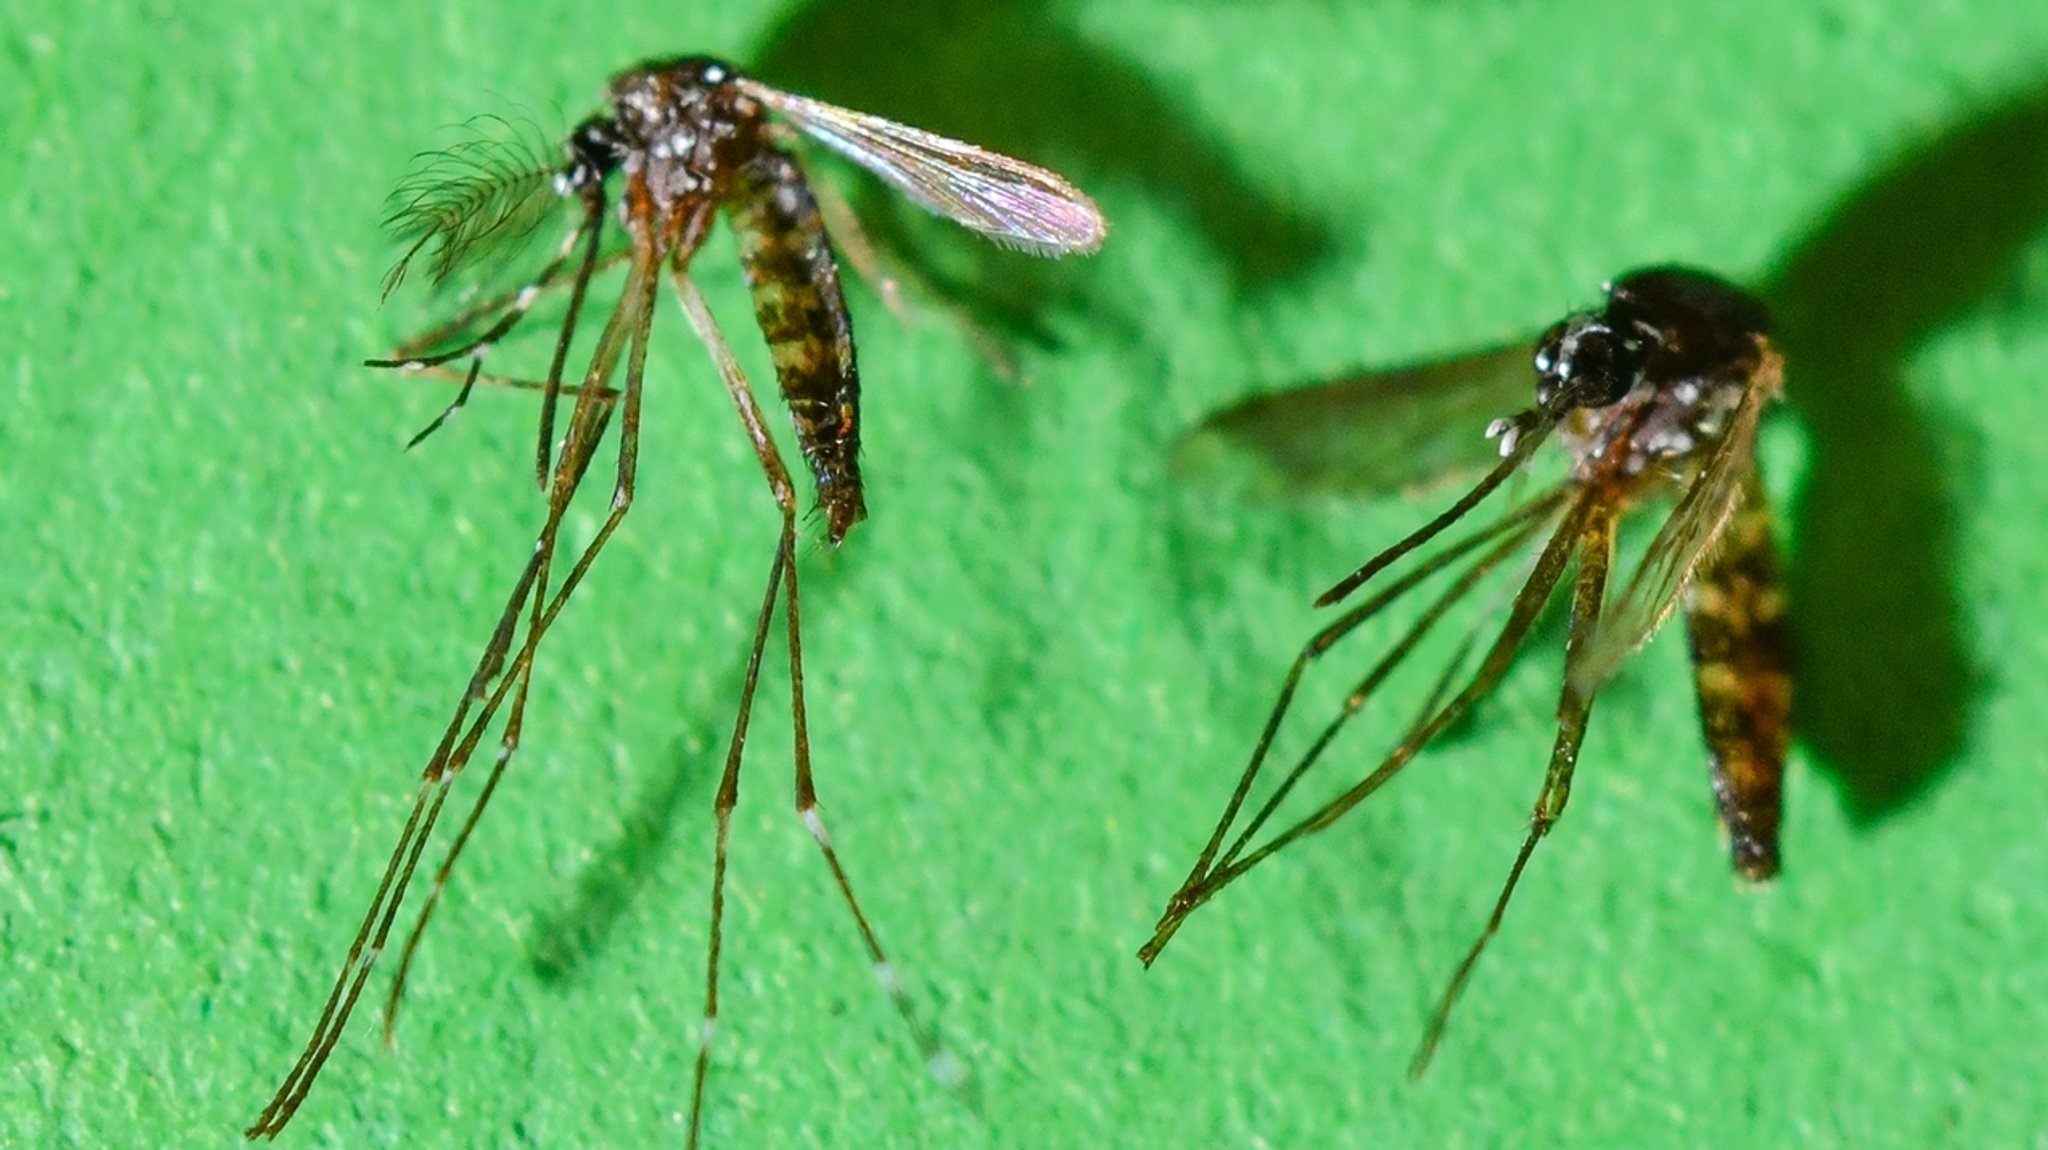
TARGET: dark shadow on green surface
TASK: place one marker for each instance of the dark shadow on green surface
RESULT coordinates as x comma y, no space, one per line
1013,76
1884,673
569,936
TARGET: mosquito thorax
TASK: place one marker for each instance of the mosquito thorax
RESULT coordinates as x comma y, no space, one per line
684,122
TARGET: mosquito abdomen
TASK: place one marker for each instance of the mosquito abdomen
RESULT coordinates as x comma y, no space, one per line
1742,669
795,280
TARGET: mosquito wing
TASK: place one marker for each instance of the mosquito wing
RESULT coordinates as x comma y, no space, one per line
477,201
1684,541
1378,433
1013,203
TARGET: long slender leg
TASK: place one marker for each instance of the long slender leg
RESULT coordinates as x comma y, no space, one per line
458,743
1524,527
444,374
1528,431
1596,553
587,423
1511,533
782,572
520,674
1522,615
1516,525
941,1062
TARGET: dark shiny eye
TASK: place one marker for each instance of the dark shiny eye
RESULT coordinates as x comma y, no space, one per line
1605,369
1584,363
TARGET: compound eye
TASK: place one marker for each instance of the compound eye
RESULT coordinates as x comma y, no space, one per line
1583,363
1606,368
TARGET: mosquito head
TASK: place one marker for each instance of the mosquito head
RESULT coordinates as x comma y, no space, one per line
1584,362
594,150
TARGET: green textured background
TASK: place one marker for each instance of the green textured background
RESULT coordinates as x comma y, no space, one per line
234,612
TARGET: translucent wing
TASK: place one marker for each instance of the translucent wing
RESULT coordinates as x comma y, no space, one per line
1382,432
1012,202
1681,544
479,200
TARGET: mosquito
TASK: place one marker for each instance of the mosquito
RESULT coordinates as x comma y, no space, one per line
682,139
1656,393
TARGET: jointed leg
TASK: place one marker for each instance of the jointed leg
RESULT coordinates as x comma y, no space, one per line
1596,553
458,744
588,420
1521,619
781,573
1506,537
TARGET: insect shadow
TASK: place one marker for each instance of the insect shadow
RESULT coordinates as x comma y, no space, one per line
1886,673
961,65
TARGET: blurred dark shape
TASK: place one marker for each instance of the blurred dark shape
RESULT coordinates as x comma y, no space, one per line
1885,674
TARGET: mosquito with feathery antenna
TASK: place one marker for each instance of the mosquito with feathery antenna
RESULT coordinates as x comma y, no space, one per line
683,140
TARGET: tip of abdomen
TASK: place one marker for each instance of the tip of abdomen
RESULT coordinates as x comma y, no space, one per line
843,508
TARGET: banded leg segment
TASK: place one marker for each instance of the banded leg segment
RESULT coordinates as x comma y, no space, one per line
1574,708
487,688
782,579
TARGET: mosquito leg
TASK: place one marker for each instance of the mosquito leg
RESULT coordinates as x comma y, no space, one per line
588,421
1596,553
1523,524
1517,525
781,571
456,747
722,808
593,209
439,775
521,675
1527,435
1522,615
752,419
941,1062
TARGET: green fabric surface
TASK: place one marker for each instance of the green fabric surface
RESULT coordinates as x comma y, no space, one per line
236,613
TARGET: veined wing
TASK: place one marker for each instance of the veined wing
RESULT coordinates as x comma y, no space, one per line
1014,203
478,200
1376,433
1682,543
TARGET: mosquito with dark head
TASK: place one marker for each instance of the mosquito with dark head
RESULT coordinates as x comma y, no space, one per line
1657,393
678,142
